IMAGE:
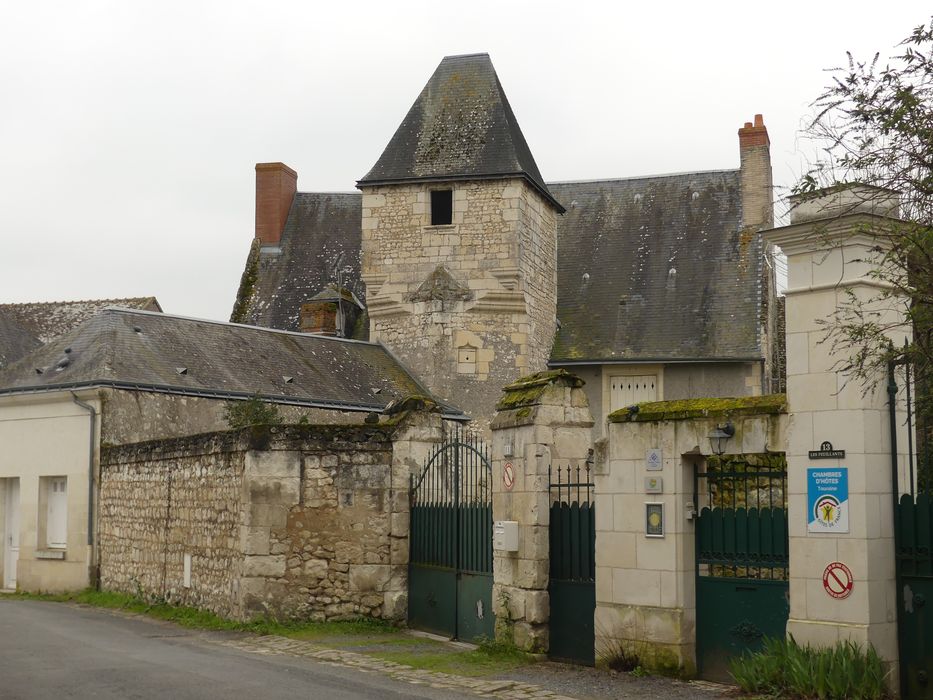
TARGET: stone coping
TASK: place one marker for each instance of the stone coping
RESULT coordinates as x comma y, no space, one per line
526,391
686,409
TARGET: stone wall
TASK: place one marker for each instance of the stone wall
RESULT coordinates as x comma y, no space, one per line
646,586
162,500
307,522
471,305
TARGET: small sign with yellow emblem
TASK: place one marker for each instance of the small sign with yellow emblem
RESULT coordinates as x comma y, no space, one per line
654,520
828,500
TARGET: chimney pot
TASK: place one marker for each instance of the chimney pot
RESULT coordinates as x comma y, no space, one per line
276,185
759,120
748,125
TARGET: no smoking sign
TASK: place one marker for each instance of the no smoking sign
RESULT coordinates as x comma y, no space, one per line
837,580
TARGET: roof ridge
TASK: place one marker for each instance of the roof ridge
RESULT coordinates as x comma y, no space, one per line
655,176
74,301
144,312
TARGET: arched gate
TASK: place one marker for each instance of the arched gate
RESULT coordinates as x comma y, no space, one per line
450,563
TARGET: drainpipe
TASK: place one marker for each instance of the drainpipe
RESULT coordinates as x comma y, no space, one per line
90,466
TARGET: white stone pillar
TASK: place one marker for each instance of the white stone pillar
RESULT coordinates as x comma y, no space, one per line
830,257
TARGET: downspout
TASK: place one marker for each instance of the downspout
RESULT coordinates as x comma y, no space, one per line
92,439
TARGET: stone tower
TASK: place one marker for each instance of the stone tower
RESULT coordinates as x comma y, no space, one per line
459,241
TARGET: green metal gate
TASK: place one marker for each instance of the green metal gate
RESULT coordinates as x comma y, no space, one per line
572,585
913,538
742,558
450,563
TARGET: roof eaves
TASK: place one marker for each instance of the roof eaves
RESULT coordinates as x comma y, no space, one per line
211,394
463,177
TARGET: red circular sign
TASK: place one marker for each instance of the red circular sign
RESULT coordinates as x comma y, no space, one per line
508,476
837,580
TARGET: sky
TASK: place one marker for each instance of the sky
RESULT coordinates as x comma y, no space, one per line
129,130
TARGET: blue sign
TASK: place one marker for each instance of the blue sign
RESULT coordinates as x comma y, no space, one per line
828,500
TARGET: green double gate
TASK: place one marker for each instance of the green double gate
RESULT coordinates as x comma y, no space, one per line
450,563
572,584
742,558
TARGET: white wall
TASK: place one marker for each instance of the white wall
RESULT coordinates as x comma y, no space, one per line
43,436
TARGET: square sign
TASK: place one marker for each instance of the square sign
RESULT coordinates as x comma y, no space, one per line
653,461
828,500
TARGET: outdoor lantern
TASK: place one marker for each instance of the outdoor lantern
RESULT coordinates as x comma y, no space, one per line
719,436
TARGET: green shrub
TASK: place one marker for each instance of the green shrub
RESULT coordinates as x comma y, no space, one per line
252,412
783,668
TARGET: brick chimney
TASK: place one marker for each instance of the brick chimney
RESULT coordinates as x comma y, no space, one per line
319,317
757,187
276,185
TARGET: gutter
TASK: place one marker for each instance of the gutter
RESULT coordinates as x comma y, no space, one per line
92,439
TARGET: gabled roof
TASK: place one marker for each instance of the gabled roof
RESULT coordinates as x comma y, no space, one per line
147,351
24,327
322,237
461,127
656,268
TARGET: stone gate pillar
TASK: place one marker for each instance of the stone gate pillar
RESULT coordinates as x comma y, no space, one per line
540,418
830,251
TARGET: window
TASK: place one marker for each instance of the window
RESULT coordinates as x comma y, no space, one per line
56,524
442,207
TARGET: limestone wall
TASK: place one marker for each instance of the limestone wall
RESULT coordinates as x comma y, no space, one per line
470,305
162,500
645,586
303,521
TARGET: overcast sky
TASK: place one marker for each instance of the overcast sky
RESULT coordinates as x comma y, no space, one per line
129,130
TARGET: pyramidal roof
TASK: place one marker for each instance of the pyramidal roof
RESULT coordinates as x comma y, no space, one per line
461,127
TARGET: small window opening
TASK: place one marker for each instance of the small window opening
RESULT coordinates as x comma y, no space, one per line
442,207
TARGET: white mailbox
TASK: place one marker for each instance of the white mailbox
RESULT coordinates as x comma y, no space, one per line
505,536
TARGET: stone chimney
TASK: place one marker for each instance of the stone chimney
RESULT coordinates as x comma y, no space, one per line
276,185
757,188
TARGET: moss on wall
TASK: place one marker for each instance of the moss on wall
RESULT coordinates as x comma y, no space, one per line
684,409
526,391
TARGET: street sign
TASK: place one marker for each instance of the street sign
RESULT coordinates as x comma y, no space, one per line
837,580
826,451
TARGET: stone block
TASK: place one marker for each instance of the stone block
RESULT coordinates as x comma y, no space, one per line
530,638
369,577
315,568
532,574
254,540
273,464
266,515
269,565
537,607
395,606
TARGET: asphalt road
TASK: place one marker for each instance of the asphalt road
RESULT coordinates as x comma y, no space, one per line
51,650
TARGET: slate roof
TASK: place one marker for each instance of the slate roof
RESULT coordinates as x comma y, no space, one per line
147,351
656,268
322,235
24,327
460,127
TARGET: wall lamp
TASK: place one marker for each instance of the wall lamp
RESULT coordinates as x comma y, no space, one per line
719,436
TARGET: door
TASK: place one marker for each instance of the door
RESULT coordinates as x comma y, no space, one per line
10,532
572,583
742,558
450,565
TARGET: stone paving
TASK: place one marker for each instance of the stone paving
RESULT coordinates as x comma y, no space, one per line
486,688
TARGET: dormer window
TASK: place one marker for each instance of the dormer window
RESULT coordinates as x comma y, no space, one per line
442,207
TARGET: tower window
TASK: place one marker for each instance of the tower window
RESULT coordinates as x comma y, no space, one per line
442,207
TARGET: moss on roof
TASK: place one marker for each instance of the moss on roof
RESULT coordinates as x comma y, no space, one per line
684,409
